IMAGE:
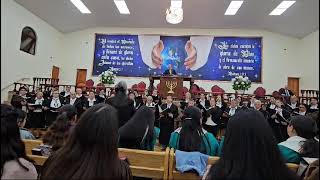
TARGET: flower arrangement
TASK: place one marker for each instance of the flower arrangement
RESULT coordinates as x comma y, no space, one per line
107,77
241,83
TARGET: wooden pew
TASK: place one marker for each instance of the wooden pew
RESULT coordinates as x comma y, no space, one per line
30,144
150,164
174,174
38,160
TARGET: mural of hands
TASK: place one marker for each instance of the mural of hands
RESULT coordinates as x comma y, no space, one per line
157,60
191,59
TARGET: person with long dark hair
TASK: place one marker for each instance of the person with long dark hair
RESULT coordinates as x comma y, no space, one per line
122,103
191,136
14,162
24,133
300,129
250,151
138,132
91,151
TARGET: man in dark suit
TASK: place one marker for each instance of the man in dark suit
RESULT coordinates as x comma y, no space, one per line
286,93
258,107
229,112
167,116
203,104
170,71
122,103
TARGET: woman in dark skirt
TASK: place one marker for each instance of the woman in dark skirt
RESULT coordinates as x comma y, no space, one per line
52,106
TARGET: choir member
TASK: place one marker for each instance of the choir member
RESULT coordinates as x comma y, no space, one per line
66,93
122,103
155,96
280,117
184,103
23,94
251,103
91,100
286,93
150,102
314,105
258,107
52,106
293,105
101,98
36,112
137,100
213,118
75,102
302,109
229,112
220,103
203,104
239,101
168,113
83,101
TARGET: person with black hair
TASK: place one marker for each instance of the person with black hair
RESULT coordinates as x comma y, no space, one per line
300,129
137,100
122,103
302,109
138,132
80,94
280,120
213,118
249,151
36,115
91,100
91,151
168,113
15,164
314,105
191,136
24,133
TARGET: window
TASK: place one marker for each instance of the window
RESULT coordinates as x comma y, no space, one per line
28,40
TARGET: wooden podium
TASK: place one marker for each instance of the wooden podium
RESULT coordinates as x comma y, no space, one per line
170,85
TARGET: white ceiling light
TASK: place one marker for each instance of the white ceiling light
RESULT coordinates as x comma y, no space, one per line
82,8
176,3
233,7
282,7
174,14
122,6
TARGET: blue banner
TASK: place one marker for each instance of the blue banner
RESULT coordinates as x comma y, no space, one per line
201,57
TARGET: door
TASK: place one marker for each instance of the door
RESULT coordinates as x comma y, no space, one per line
293,85
81,77
55,74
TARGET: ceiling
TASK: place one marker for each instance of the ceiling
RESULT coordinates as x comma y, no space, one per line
298,21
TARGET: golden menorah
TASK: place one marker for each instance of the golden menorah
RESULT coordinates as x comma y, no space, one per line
171,85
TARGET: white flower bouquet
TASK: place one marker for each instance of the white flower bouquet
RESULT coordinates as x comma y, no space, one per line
241,83
107,77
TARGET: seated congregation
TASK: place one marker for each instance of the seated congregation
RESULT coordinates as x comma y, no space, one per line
84,134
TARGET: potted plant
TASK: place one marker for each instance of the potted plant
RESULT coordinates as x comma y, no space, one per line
241,84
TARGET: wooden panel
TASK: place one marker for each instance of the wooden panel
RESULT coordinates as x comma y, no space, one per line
81,77
55,72
30,144
38,160
293,85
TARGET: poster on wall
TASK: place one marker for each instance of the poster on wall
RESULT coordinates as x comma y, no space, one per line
200,57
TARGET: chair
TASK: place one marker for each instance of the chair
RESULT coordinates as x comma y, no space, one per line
141,87
202,90
259,92
89,83
173,174
195,89
216,90
30,144
150,164
134,87
293,167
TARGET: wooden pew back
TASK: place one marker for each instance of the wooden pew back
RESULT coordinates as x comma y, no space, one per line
30,144
150,164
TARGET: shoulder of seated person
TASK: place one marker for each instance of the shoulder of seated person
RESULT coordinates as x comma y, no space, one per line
14,170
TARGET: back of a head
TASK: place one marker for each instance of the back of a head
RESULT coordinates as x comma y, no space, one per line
250,150
91,150
12,146
304,126
121,87
135,128
191,130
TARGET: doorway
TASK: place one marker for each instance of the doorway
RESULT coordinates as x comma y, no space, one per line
293,85
81,77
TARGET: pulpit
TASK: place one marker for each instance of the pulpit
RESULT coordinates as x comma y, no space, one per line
170,85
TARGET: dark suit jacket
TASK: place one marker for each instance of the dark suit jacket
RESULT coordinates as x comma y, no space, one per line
283,92
47,103
79,104
124,106
166,72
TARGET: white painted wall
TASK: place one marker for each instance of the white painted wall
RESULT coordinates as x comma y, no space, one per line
16,64
308,62
278,63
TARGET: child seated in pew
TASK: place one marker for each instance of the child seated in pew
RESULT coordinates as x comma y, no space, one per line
191,136
24,133
58,132
14,162
139,132
300,129
249,151
91,151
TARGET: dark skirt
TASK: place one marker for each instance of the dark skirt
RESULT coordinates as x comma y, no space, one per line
166,128
50,117
36,120
212,129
